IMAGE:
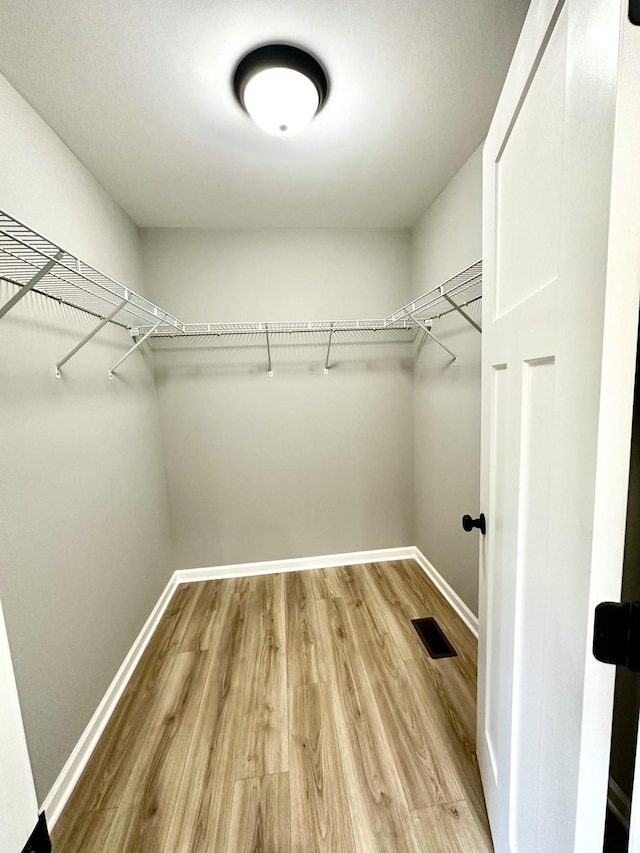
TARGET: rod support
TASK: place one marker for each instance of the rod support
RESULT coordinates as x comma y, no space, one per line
133,349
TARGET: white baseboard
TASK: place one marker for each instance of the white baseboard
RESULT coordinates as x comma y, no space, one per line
619,803
70,773
297,564
465,613
66,781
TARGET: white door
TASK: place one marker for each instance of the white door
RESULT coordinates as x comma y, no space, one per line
18,804
561,280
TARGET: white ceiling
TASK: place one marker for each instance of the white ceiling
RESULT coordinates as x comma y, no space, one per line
140,90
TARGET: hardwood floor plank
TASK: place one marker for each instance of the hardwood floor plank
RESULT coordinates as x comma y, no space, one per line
105,776
450,829
320,819
421,749
331,578
260,815
202,623
378,808
261,695
319,586
305,660
200,820
376,642
450,701
88,832
143,816
382,592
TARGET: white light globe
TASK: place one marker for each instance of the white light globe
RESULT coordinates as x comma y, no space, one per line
281,101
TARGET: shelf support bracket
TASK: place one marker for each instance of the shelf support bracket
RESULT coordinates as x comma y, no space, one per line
268,351
31,283
326,363
430,334
88,337
133,349
459,310
420,346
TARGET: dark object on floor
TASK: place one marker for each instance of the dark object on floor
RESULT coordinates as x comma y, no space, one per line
433,639
39,841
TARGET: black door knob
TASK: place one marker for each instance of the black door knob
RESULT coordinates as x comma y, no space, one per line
469,523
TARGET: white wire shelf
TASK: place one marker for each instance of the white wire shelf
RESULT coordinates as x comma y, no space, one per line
282,328
457,293
24,254
31,262
462,289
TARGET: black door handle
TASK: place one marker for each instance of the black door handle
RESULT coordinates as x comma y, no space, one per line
469,523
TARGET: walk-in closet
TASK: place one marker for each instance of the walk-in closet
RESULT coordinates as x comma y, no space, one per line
273,499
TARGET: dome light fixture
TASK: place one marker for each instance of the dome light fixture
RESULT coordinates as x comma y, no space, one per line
281,87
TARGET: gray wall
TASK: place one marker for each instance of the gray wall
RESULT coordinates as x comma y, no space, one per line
83,511
299,464
446,401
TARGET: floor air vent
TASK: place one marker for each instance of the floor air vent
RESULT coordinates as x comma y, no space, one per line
433,639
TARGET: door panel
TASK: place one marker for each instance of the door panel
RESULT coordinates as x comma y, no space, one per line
502,554
528,181
548,164
533,755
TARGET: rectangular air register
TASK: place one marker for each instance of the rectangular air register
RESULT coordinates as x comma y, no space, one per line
433,638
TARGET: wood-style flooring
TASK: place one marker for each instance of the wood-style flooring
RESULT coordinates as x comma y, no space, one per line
290,713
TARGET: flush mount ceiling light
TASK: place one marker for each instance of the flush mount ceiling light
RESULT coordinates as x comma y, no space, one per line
281,87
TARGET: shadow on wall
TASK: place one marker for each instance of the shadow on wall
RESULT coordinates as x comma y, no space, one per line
291,353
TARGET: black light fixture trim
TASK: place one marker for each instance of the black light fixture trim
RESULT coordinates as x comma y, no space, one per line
280,56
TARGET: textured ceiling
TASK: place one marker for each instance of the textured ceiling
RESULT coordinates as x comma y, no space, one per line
140,90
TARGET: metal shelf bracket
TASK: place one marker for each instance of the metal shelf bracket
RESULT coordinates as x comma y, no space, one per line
459,310
430,334
88,337
326,363
31,283
269,351
133,349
